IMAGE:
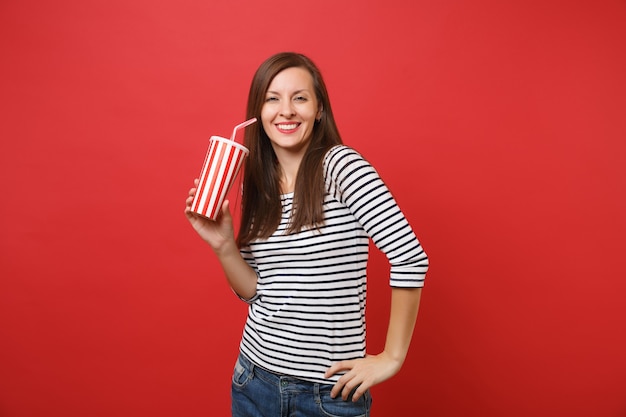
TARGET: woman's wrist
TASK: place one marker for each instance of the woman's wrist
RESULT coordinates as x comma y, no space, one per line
226,250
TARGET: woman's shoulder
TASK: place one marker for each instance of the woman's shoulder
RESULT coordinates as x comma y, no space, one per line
342,161
341,154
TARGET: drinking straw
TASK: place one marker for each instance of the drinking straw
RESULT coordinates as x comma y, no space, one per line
241,126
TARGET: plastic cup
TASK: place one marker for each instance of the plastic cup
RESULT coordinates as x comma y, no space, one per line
223,161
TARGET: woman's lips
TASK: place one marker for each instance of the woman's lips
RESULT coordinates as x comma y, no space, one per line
287,127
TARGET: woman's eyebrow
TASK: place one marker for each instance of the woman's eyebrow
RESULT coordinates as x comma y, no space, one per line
304,90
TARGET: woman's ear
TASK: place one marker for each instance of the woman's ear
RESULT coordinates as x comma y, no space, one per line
318,117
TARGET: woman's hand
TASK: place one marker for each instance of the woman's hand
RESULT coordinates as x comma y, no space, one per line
216,233
362,374
220,235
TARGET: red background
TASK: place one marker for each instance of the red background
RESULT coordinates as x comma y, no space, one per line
499,126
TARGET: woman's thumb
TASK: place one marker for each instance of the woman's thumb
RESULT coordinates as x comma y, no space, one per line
226,210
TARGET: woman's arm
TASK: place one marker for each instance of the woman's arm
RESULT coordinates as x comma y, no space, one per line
362,374
357,184
220,236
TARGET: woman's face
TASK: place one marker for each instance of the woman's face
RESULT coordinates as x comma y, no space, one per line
290,110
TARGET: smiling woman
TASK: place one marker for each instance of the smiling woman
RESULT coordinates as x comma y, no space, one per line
498,125
264,171
310,206
290,111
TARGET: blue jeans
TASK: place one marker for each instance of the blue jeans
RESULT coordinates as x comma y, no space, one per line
256,392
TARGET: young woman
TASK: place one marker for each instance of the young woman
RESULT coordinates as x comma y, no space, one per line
310,205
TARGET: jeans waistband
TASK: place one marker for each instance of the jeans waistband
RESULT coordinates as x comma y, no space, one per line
284,381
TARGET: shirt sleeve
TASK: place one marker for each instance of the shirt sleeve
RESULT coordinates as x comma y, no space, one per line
354,182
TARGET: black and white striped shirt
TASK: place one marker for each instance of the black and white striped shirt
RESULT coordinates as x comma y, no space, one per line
309,309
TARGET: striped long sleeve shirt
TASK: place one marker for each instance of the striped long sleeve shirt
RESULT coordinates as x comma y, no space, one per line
309,309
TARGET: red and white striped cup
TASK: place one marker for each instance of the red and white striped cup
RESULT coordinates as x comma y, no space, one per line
221,165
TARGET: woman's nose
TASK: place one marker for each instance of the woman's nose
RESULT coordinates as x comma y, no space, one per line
286,109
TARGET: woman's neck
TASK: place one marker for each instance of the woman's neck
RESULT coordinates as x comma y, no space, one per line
288,174
289,164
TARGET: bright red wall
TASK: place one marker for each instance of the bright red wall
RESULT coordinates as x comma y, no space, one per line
499,126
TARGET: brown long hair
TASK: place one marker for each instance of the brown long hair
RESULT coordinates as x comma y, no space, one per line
260,205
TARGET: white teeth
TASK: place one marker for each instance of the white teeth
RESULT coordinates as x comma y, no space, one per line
288,127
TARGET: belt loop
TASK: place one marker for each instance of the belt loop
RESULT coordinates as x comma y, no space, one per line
252,366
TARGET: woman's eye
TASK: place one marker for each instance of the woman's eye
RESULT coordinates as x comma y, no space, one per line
300,98
271,99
